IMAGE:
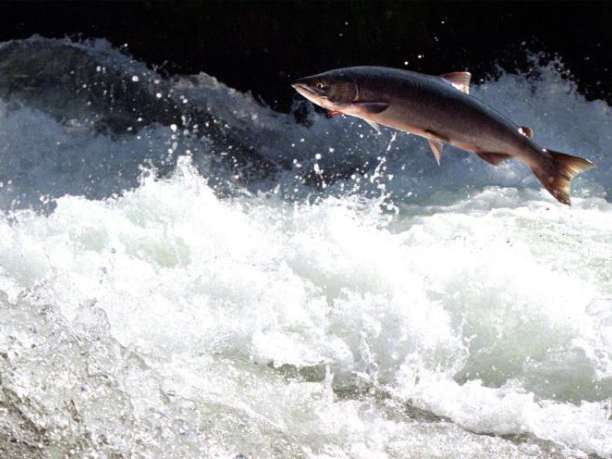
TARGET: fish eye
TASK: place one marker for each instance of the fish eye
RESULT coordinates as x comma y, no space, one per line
321,85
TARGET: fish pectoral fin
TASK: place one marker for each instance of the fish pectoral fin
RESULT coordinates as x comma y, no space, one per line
372,107
460,80
373,125
494,158
436,148
527,132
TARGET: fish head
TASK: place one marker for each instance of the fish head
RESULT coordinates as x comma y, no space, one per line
333,90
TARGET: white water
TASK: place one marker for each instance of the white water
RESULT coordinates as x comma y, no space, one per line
427,314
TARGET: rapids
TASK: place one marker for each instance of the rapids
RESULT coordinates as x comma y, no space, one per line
186,273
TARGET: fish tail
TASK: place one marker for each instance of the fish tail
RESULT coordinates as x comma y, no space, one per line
560,171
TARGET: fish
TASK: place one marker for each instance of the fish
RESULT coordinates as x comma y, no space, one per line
440,109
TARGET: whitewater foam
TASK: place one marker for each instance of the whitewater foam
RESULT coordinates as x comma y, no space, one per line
249,287
148,314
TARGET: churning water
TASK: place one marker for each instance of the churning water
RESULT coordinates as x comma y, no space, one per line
185,273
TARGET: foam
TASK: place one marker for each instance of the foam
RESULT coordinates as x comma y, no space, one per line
460,314
413,311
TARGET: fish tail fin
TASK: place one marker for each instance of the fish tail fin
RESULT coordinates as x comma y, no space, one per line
557,177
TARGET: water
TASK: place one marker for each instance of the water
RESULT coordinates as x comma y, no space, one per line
254,286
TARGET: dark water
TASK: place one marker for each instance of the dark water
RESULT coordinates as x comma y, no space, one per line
259,47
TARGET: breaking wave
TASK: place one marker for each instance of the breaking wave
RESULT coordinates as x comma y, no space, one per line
186,273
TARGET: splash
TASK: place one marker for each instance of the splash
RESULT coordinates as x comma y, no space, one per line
153,304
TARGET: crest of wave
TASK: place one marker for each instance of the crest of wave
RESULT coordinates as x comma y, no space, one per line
172,321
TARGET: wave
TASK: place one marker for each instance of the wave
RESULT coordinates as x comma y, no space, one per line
93,96
333,294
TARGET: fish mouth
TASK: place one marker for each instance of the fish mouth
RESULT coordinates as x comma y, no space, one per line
304,89
307,90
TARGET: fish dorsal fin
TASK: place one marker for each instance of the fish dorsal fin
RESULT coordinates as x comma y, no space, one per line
460,80
374,125
527,132
493,158
436,148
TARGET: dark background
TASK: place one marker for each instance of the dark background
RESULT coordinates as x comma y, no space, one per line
260,46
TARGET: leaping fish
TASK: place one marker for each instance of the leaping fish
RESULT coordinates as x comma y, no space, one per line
440,109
